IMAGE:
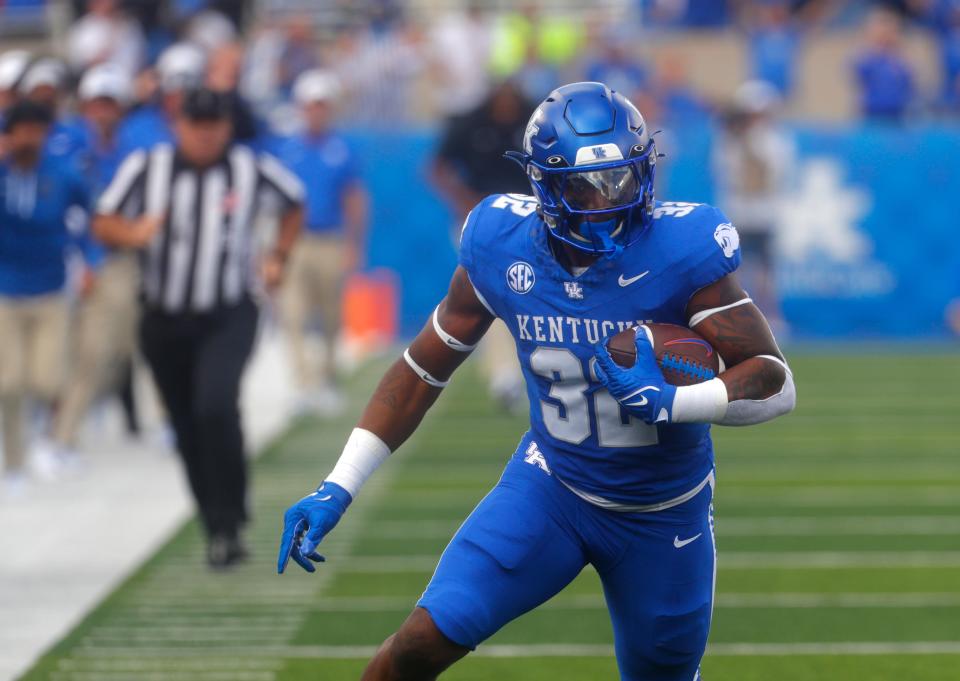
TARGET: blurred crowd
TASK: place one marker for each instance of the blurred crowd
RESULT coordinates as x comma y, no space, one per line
295,72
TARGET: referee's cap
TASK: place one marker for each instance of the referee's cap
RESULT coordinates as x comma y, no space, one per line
204,104
181,67
47,71
316,85
106,81
13,64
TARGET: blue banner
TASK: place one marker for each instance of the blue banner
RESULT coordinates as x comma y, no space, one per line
867,237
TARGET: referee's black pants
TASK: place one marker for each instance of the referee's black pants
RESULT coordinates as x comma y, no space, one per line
197,362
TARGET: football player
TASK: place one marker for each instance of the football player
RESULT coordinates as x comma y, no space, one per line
617,468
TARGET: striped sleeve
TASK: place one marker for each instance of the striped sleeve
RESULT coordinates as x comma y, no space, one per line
124,182
279,178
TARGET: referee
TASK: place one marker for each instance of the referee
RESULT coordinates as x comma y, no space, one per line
190,209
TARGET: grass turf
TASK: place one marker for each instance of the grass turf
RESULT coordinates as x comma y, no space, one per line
861,485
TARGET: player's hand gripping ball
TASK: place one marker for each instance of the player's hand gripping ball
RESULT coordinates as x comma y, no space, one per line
307,522
641,367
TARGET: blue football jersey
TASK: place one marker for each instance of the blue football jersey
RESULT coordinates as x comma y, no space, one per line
578,428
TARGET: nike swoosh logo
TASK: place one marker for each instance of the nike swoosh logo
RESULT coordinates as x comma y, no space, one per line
678,543
627,282
643,398
326,498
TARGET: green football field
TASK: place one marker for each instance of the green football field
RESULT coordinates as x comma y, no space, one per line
838,529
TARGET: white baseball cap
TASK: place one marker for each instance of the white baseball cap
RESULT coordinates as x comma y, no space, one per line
181,66
46,71
13,64
756,96
108,81
316,85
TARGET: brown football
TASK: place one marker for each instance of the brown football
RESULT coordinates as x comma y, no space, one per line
683,355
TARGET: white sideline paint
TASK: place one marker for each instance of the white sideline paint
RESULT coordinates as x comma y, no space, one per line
857,648
53,572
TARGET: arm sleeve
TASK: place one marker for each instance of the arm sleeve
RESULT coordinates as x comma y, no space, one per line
124,183
281,180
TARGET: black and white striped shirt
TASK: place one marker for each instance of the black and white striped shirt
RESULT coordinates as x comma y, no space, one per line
203,257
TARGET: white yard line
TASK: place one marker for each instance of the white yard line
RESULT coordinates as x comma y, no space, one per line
852,648
739,560
800,526
723,600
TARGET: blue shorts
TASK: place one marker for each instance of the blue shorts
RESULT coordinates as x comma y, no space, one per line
531,536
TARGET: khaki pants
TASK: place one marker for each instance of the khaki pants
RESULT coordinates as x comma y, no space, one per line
106,337
313,287
33,339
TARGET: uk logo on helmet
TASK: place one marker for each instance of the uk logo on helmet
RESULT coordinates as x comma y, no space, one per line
520,277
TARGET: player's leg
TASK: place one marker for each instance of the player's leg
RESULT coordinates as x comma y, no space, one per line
517,549
419,651
659,588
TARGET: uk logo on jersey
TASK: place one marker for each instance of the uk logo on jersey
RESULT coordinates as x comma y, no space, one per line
573,289
520,277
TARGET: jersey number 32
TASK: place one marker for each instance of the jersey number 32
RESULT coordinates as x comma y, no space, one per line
570,420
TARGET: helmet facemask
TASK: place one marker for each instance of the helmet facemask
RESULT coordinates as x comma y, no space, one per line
599,208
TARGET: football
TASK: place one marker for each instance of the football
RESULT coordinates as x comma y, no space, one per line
683,355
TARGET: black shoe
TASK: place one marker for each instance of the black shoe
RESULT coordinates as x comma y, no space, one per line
226,551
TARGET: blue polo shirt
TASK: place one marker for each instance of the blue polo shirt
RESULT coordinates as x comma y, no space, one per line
144,128
886,84
96,159
328,168
39,223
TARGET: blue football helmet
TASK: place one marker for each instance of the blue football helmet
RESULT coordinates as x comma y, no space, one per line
590,160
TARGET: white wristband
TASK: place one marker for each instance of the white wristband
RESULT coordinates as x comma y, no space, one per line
700,403
362,455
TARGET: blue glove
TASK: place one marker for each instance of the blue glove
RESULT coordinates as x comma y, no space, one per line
307,522
641,389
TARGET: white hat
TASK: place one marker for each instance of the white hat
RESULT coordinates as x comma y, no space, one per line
316,85
181,66
47,71
108,81
210,29
12,66
756,96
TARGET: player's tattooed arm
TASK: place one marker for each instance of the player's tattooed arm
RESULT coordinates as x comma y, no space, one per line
405,394
740,334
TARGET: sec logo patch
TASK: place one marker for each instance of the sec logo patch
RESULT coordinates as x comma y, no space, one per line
520,277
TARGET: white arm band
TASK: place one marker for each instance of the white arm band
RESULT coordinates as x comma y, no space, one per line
449,340
362,455
750,412
700,316
424,375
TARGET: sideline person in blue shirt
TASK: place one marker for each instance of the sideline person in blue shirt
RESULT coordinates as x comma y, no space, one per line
882,72
332,245
38,193
105,339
